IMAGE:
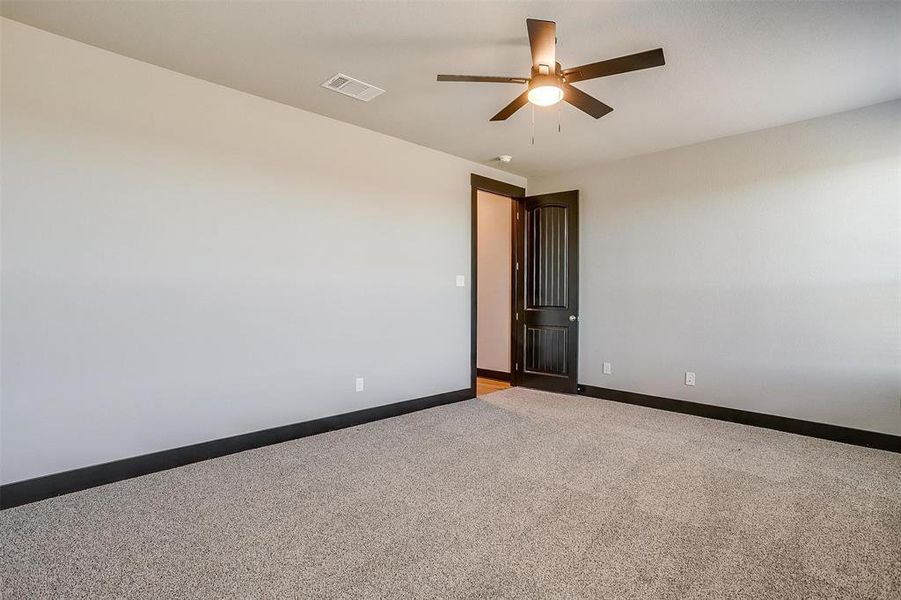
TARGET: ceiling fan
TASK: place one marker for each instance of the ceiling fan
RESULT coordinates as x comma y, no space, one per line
550,83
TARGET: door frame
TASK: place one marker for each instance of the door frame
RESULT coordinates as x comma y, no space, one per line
515,193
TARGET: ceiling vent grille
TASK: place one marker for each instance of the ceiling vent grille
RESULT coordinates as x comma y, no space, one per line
352,87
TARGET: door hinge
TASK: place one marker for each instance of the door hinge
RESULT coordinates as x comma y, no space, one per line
517,265
517,316
516,367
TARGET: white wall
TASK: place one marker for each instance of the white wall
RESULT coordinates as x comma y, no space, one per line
768,263
183,262
494,256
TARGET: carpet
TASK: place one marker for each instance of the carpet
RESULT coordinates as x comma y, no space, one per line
519,494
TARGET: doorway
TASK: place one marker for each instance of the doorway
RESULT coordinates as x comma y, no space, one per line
525,288
493,278
494,292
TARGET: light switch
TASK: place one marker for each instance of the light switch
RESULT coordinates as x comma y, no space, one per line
359,384
461,281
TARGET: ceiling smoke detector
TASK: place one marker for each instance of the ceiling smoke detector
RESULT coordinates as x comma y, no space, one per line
360,90
505,158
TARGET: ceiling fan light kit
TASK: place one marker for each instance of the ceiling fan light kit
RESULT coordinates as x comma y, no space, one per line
550,83
545,90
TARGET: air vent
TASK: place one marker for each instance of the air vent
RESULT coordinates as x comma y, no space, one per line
352,87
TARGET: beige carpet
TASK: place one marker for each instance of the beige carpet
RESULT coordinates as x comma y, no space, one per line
521,494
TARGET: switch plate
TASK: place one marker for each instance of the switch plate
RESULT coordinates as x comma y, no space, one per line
607,369
461,281
359,384
689,377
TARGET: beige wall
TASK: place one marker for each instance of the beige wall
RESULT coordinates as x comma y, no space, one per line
183,262
768,263
495,248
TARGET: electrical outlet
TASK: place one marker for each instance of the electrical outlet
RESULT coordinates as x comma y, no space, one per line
607,369
461,281
689,377
359,384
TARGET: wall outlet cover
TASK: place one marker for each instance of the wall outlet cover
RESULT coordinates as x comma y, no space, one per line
607,368
359,384
461,281
689,377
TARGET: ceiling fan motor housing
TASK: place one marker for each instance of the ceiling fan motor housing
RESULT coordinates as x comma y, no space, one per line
542,75
544,80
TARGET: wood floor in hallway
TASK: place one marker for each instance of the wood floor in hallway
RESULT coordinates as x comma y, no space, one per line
486,386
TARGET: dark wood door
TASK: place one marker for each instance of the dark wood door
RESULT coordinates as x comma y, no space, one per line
546,317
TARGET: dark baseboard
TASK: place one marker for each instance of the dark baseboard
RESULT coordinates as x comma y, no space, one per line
48,486
836,433
491,374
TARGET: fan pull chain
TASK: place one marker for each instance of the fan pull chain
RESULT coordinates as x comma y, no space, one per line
533,123
559,129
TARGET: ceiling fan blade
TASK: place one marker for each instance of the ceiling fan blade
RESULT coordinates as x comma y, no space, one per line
615,66
511,108
483,78
543,42
584,102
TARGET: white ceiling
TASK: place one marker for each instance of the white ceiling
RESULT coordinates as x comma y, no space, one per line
731,67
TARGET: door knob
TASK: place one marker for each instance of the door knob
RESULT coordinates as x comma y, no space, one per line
573,317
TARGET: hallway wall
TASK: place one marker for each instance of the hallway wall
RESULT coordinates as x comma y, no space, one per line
494,256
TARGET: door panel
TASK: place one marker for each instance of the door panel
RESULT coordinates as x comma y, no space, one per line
546,257
547,293
546,350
